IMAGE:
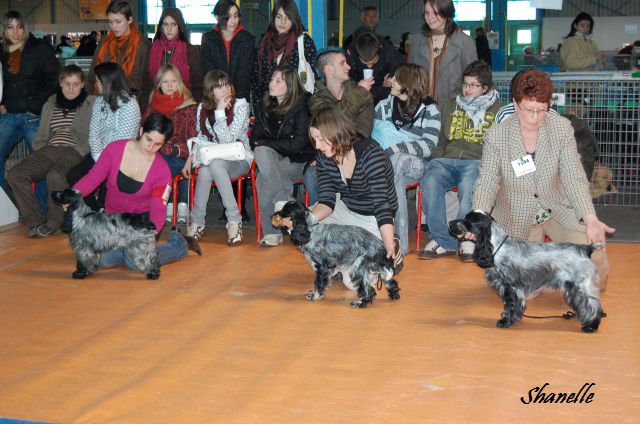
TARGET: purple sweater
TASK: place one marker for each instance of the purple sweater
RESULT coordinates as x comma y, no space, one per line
147,199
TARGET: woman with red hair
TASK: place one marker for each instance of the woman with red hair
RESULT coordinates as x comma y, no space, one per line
531,178
127,47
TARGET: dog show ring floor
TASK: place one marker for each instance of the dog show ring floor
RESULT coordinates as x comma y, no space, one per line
228,337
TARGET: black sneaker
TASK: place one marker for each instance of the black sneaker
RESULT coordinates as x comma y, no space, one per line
465,250
433,251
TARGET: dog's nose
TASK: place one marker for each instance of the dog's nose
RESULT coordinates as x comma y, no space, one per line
457,227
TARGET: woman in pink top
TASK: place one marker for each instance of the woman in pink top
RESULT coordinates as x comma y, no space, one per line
137,178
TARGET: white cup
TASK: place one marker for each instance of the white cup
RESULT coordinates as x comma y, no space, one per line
367,73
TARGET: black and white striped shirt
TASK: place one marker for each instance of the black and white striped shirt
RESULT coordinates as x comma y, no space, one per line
370,191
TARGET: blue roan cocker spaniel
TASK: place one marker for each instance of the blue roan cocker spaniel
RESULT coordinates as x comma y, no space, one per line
330,249
517,269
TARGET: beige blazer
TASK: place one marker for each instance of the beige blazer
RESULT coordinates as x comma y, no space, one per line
559,184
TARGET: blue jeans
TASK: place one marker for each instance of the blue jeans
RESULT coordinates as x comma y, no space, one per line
175,166
440,176
13,128
407,169
175,248
311,183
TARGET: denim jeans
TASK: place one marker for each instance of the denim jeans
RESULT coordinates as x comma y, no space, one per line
13,128
407,169
221,172
175,248
311,183
175,166
440,176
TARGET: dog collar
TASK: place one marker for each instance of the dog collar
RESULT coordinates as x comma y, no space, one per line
496,252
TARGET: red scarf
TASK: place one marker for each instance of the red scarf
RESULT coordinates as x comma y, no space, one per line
275,44
166,104
112,47
227,43
179,57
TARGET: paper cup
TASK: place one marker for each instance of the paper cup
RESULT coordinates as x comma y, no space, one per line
367,73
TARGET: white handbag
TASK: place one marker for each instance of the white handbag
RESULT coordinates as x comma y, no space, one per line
307,77
205,151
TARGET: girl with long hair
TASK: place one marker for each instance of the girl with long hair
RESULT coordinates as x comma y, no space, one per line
281,145
222,118
279,46
579,52
171,45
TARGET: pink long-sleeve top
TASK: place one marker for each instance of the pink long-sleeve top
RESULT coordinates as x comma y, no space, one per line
147,199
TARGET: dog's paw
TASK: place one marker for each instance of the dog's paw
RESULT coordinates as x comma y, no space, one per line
504,323
591,327
361,303
314,295
79,275
153,275
394,294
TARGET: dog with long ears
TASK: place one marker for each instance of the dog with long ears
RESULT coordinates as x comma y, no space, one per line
94,233
331,249
518,269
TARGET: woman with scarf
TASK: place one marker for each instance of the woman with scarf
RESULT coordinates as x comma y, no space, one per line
59,145
456,160
279,47
229,48
171,98
127,47
171,45
443,49
407,125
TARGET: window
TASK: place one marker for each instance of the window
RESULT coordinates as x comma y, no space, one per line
154,10
470,10
523,36
520,11
196,38
197,11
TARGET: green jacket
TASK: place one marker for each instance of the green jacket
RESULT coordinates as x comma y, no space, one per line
356,104
458,139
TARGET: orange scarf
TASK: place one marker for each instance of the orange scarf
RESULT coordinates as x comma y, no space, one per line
112,47
166,104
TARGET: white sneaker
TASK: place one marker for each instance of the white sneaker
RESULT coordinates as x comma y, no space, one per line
271,240
465,250
234,233
195,230
169,212
183,211
433,250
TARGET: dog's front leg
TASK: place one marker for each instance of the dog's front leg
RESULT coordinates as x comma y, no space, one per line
320,283
86,265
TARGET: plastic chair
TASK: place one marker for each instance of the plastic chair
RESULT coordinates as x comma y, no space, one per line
192,188
256,205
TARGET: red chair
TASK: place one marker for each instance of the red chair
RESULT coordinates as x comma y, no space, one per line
256,206
419,212
192,188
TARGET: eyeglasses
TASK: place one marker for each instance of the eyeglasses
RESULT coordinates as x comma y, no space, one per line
169,25
533,111
471,85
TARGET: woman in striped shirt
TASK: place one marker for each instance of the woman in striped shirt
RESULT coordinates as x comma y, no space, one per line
355,179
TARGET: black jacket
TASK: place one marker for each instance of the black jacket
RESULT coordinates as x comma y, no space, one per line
389,60
37,80
292,138
214,56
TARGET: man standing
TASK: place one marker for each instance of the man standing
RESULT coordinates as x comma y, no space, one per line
369,23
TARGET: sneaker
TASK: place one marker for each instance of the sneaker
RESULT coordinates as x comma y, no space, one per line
169,211
465,250
44,231
196,231
33,231
433,250
234,233
192,243
183,211
271,240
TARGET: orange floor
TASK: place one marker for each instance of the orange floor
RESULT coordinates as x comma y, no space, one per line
229,338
